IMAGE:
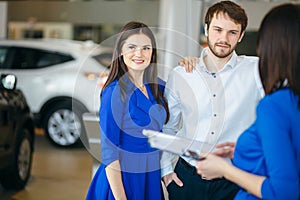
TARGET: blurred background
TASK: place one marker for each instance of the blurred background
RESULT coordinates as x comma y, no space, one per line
59,52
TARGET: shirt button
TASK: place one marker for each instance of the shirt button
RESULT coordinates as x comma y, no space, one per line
215,115
212,133
214,95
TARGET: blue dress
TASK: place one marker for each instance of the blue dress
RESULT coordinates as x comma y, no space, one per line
271,147
121,123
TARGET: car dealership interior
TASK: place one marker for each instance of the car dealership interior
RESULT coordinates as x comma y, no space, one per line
62,168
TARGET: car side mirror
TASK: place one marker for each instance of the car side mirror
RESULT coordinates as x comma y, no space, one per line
8,81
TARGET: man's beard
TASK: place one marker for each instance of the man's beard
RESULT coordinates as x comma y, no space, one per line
221,54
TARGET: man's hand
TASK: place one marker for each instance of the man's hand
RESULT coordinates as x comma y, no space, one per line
167,179
188,63
225,150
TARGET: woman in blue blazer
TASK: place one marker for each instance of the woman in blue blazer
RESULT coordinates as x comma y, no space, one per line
267,155
131,100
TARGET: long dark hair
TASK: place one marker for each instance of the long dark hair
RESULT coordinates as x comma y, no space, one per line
118,68
278,48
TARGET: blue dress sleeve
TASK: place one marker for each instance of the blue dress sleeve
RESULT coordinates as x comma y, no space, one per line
110,123
273,128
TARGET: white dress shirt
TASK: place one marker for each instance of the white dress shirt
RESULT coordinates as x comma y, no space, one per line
211,107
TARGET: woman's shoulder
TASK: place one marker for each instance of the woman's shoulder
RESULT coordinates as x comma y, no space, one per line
110,86
111,96
283,99
284,94
110,90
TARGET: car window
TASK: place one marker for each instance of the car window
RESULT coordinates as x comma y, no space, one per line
3,53
52,58
104,59
30,58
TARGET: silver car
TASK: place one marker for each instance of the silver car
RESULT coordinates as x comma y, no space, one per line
61,80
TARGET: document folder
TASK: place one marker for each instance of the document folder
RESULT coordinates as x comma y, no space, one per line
178,145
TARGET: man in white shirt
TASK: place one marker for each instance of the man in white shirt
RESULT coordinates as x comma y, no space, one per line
214,103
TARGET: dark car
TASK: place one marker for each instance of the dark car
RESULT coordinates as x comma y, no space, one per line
16,135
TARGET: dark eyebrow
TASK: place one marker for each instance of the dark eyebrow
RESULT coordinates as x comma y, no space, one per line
129,44
218,27
146,45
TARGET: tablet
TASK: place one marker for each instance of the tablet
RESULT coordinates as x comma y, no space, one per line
178,145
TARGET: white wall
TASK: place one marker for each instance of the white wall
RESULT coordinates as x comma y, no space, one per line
3,19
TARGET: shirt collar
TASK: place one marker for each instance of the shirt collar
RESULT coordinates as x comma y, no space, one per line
230,64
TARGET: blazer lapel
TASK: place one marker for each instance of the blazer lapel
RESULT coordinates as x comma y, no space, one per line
150,106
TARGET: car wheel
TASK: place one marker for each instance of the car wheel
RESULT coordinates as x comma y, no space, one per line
63,125
19,173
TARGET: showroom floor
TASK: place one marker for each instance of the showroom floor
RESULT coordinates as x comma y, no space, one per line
57,174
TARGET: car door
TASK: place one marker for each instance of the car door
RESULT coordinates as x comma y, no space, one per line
34,69
5,123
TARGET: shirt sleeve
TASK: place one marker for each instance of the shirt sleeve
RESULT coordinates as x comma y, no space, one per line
258,80
110,124
173,125
273,128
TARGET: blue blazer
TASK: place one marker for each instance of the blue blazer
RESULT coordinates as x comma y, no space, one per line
121,123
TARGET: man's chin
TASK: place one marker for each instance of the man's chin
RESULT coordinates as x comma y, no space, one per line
222,54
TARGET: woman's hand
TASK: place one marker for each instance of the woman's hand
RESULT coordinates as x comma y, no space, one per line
215,167
113,172
225,150
211,167
188,63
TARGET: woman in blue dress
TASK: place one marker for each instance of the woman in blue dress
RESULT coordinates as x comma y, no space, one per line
266,162
131,100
